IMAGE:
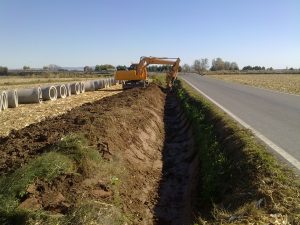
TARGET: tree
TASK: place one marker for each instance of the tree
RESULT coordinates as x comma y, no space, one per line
234,66
53,67
197,66
26,68
87,69
217,64
3,70
186,68
200,65
253,68
227,65
119,67
104,67
247,68
204,64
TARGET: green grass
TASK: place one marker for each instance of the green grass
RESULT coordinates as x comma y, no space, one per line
236,172
14,186
72,154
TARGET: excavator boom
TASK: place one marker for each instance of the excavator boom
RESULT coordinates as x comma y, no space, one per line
140,72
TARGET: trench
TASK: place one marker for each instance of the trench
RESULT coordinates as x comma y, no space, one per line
178,182
160,161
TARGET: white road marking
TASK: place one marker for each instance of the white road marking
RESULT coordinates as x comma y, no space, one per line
267,141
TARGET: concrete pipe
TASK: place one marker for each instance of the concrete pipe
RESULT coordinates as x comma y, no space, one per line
4,100
104,83
69,93
12,99
31,95
89,86
61,91
82,87
0,101
113,81
101,84
75,88
97,84
49,93
107,84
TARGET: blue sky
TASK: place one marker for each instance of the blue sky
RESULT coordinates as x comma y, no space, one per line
90,32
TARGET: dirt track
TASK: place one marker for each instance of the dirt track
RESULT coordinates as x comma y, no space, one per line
142,127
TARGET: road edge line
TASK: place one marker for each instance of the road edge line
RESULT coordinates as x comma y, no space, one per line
292,160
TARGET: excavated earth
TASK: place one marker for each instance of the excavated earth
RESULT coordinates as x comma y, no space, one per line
145,128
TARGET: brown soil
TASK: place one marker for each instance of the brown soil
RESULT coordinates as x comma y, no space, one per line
142,128
175,204
26,114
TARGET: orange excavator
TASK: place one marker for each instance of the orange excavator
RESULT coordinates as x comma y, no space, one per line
137,75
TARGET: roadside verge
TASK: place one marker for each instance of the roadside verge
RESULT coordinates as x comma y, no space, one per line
239,181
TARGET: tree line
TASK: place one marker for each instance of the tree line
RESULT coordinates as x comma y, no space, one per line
202,65
256,68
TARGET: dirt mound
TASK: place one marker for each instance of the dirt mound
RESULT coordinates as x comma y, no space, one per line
96,120
126,127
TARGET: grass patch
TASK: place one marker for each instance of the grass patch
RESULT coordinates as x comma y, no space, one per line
71,155
13,187
240,182
159,79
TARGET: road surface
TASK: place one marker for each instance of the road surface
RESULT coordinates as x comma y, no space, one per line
274,117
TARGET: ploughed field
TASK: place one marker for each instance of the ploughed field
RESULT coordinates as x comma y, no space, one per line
122,159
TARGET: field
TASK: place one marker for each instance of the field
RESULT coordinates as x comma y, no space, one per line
287,83
137,156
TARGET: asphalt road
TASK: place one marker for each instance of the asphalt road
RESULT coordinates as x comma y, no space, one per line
274,116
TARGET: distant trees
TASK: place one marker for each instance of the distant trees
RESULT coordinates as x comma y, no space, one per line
104,67
234,66
53,67
162,68
219,64
3,70
119,67
26,68
254,68
186,68
87,69
200,65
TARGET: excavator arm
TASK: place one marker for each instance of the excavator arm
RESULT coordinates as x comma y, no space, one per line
140,73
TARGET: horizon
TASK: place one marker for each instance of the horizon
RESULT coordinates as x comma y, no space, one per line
254,33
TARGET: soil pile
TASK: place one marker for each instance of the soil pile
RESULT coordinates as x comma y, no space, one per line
126,127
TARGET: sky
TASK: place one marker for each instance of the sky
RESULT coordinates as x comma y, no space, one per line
89,32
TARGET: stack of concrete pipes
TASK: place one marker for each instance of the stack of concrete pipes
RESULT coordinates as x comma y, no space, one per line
12,98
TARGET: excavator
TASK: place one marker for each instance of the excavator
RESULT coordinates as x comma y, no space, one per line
137,75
